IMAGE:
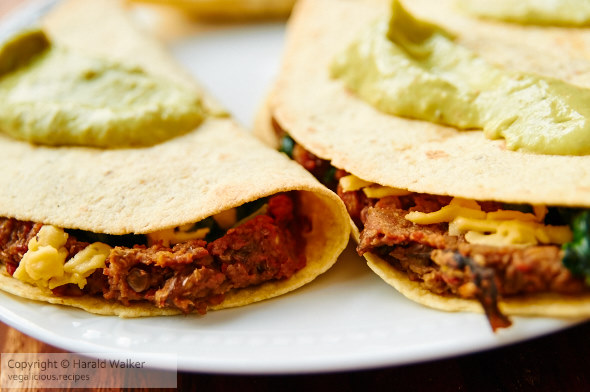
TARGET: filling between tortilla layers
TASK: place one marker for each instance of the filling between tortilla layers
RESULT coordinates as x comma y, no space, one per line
189,275
444,263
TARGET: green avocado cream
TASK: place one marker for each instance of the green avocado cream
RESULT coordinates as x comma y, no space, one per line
570,13
56,96
414,69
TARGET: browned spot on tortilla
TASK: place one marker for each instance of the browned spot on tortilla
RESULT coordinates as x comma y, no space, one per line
435,154
401,147
574,40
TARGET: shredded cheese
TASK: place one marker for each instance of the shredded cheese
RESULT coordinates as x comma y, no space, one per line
379,191
168,237
457,208
226,219
353,183
44,264
497,228
370,189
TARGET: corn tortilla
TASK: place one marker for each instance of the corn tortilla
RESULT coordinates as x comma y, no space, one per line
320,114
117,191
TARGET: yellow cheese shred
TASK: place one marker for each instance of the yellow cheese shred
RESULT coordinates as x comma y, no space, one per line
353,183
168,237
44,264
497,228
370,189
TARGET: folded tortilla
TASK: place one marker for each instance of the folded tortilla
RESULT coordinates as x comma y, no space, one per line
335,125
216,167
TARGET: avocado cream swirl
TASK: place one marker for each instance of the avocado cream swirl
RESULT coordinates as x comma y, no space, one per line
53,95
412,68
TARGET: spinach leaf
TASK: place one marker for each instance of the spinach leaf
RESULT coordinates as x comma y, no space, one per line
126,240
287,145
577,252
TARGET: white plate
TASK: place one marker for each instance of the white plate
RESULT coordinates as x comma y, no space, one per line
347,319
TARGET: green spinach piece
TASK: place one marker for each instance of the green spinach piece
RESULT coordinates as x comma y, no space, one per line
577,252
287,145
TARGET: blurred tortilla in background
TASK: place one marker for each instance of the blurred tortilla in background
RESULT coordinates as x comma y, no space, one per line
230,9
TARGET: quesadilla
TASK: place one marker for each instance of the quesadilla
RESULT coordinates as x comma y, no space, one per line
207,219
452,218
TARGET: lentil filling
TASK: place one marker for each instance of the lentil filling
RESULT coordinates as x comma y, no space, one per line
189,276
